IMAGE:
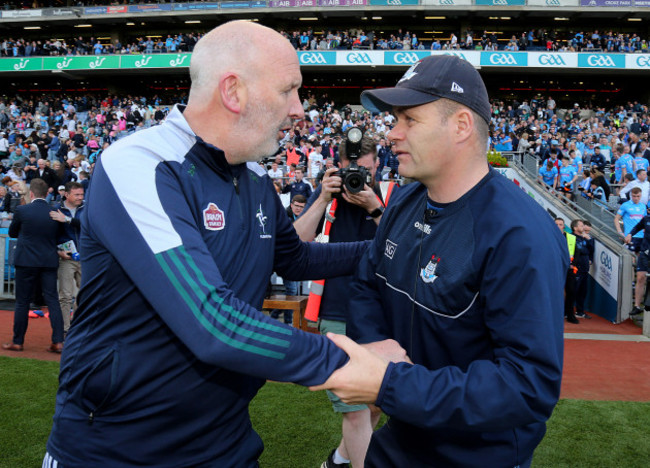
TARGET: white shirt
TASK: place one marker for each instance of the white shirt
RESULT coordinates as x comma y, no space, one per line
315,163
645,190
277,174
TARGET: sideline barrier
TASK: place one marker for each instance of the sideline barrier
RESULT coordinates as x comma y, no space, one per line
609,291
343,58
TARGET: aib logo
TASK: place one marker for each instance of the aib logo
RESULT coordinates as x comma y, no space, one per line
606,260
553,3
358,57
394,2
143,63
502,59
499,2
600,61
312,59
548,59
406,57
447,2
643,61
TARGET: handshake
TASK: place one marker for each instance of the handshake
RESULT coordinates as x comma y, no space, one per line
360,379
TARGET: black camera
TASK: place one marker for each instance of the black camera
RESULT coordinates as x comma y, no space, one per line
354,177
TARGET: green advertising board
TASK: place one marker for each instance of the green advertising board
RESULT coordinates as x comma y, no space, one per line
84,62
156,61
21,64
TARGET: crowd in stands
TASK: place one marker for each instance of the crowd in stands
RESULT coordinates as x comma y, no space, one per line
69,134
80,46
534,39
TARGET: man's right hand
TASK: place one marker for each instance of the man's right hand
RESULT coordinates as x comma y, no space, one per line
628,238
330,185
64,254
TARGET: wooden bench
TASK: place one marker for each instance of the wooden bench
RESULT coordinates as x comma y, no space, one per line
296,303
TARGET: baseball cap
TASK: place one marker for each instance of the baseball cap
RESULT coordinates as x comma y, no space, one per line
554,142
430,79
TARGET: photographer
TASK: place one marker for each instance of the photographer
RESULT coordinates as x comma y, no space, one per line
356,216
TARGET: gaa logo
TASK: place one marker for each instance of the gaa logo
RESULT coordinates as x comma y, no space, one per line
499,2
606,260
546,59
600,61
502,59
406,57
460,55
394,2
643,61
358,58
447,2
312,59
553,3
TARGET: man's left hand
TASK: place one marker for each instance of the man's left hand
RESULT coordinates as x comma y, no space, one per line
360,379
366,199
57,216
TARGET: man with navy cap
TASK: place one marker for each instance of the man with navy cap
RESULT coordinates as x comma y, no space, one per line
466,274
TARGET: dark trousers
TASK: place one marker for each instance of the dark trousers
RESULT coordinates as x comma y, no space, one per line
569,293
26,278
581,290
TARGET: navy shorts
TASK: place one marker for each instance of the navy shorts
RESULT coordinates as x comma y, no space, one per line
635,245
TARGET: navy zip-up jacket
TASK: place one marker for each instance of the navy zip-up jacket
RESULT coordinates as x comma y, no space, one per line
473,293
168,346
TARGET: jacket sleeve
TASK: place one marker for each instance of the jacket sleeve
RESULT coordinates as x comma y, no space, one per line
522,303
296,260
640,226
149,229
14,227
365,321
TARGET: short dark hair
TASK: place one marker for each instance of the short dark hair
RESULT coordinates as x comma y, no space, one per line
299,199
368,146
574,223
72,185
39,188
636,190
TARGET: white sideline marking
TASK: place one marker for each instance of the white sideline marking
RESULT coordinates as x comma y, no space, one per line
605,337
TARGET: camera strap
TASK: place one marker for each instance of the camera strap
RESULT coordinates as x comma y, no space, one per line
330,211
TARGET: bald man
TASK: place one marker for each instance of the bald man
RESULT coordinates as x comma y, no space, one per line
182,231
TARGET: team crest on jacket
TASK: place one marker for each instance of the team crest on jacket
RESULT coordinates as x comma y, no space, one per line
213,218
262,219
428,273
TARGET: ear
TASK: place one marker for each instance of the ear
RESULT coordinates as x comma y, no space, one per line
232,92
464,120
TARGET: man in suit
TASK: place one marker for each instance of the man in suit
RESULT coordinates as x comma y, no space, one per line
36,257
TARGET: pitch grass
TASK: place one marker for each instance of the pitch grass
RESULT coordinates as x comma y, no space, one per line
299,428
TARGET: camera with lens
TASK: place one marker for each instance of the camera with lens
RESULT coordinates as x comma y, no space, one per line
354,177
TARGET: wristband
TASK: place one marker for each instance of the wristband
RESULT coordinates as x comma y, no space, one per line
377,212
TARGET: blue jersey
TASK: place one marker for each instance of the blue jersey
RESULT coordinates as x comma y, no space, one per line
474,294
577,163
548,176
631,213
567,174
628,160
640,163
168,345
